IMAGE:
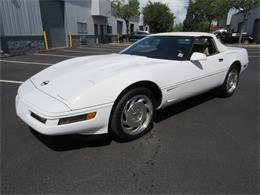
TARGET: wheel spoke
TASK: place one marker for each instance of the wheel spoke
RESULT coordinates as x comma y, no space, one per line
131,104
141,100
124,122
149,107
125,113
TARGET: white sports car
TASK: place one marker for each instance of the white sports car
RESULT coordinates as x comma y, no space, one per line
120,93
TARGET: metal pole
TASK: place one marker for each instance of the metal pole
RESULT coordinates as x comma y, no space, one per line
70,39
45,40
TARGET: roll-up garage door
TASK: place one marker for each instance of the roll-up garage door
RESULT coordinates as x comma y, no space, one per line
52,13
256,31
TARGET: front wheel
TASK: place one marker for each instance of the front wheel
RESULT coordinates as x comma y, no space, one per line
230,85
133,114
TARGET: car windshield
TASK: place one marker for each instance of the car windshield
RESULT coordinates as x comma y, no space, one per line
162,47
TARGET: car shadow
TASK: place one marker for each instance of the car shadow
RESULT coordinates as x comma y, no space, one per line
177,108
72,142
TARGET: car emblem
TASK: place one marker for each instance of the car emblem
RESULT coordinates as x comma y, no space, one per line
45,83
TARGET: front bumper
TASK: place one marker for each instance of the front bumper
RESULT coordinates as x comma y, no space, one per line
98,125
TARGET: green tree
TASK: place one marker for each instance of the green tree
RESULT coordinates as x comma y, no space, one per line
244,6
188,22
202,13
212,10
158,16
195,20
178,28
126,9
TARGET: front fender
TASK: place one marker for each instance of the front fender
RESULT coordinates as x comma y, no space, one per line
107,91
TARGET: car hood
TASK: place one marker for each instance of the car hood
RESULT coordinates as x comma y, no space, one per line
67,79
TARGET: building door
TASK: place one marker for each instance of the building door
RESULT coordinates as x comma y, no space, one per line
132,28
119,27
256,31
96,33
102,38
52,13
239,27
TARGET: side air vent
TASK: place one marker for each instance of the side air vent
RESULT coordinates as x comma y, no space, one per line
38,118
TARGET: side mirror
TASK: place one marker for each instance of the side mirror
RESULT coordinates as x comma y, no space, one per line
196,56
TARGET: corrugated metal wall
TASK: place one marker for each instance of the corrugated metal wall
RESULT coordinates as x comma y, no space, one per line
112,21
254,14
21,17
1,30
21,20
78,11
249,26
1,25
101,8
105,7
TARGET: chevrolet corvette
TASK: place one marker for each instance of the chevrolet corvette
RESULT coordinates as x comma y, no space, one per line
119,93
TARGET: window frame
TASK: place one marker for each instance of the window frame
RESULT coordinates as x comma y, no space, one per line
81,31
109,29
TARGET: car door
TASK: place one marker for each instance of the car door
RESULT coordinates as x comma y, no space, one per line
205,74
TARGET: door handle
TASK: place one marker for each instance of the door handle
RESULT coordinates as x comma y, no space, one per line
221,60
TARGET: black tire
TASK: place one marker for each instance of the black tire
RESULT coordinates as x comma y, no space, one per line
116,126
225,89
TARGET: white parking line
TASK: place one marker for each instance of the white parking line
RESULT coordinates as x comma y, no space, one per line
82,51
9,81
54,55
100,49
22,62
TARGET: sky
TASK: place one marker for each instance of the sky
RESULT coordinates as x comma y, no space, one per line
178,7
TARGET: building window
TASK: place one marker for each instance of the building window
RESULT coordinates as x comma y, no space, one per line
109,29
82,28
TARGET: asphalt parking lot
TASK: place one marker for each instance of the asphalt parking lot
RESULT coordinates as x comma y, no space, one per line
204,145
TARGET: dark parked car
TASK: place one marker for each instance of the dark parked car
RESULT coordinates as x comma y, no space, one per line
134,36
231,37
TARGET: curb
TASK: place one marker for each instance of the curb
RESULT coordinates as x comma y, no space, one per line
51,49
257,46
120,44
5,55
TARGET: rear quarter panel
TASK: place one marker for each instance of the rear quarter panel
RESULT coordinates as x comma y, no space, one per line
237,54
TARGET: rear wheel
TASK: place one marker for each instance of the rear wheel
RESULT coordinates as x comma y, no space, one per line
230,85
133,114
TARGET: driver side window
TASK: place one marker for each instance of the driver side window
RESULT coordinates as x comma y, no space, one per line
204,45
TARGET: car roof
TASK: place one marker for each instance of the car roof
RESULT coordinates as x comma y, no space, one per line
188,34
